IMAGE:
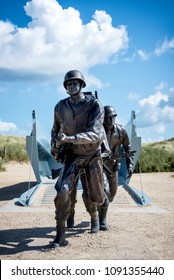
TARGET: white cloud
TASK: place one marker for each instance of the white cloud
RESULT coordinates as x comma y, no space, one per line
56,40
164,47
167,113
153,100
159,50
143,55
156,111
7,126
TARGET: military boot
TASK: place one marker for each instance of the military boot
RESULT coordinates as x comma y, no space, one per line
59,239
102,218
70,220
102,210
94,224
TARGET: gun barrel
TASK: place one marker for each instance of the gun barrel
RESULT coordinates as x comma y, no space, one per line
131,153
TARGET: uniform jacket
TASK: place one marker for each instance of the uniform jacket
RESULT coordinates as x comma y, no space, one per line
83,120
117,138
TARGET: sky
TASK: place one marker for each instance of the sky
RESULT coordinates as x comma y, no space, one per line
124,48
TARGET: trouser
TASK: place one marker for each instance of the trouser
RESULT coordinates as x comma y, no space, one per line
66,186
111,185
64,203
73,199
91,207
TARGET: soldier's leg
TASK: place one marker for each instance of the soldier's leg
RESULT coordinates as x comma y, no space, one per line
113,185
64,186
73,194
110,187
91,207
62,205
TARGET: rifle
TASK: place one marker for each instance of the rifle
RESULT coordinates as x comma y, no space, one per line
123,155
115,157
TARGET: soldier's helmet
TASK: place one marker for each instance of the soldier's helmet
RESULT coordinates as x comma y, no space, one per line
74,75
109,111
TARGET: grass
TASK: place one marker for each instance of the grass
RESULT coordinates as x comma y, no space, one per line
12,148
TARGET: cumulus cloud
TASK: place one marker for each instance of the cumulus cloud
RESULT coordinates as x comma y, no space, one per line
7,126
164,47
153,100
56,40
156,110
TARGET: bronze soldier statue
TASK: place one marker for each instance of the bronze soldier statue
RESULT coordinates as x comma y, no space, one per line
117,137
76,139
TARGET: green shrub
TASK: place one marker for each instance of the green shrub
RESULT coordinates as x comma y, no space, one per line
156,157
12,148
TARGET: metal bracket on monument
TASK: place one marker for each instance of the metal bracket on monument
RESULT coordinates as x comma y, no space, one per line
139,197
42,162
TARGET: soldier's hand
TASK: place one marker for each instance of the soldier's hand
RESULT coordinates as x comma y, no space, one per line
65,139
105,155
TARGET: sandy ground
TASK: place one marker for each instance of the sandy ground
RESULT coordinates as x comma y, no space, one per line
135,232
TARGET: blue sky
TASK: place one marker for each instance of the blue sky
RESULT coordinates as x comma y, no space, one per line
124,48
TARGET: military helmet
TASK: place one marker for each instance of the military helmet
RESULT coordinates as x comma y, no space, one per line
74,75
109,111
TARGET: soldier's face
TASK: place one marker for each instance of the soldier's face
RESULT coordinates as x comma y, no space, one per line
109,121
73,87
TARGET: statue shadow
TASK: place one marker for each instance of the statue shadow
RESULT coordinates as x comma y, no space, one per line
13,191
77,229
14,241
